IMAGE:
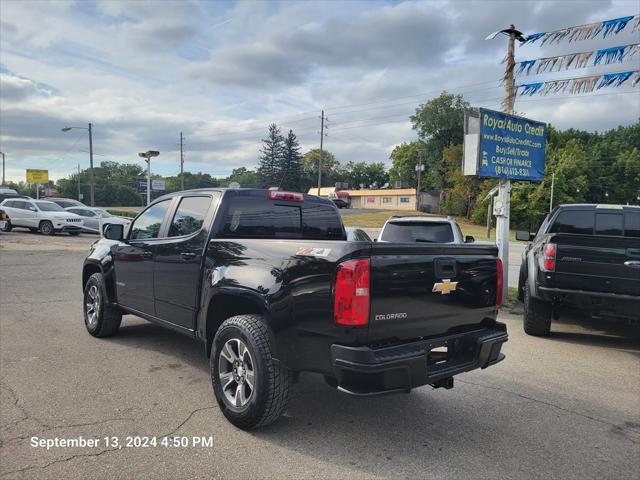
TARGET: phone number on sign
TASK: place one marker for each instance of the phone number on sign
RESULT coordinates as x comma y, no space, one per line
117,442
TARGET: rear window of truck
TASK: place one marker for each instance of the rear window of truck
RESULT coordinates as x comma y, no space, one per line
411,232
589,222
250,217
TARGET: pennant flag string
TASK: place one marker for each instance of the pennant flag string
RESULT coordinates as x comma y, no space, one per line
604,56
580,84
585,32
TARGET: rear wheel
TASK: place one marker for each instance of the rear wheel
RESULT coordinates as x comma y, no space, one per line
251,387
537,314
100,318
46,227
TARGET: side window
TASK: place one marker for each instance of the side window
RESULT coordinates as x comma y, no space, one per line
189,216
148,224
247,217
632,224
609,224
11,204
574,221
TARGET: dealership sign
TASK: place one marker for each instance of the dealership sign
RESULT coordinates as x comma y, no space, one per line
504,146
37,176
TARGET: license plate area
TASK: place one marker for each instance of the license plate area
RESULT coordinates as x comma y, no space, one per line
449,353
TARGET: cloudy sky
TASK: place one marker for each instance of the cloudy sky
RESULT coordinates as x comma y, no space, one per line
220,72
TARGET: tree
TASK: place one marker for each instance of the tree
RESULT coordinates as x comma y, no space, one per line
290,165
330,168
367,174
404,159
242,175
270,159
439,124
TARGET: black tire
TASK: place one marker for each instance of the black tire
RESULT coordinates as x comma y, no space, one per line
537,314
74,234
46,228
7,227
108,318
33,230
271,380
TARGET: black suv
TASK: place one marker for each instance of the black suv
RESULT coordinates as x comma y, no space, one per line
584,257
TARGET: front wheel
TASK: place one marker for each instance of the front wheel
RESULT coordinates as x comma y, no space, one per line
251,387
46,227
537,314
7,227
100,318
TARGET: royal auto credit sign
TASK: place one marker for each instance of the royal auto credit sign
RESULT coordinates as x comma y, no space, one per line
511,147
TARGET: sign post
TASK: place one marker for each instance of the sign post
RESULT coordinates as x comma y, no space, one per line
506,147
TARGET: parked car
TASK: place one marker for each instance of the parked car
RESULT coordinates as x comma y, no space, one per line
357,235
584,258
340,199
6,192
267,281
5,221
65,202
422,229
94,218
41,215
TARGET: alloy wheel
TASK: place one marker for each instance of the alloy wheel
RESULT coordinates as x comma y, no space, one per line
236,373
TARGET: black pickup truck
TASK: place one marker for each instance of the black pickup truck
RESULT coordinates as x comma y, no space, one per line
586,258
269,283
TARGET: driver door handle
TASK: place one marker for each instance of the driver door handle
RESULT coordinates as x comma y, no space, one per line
632,263
147,254
188,255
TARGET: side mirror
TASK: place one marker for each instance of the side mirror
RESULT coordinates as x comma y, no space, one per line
524,236
113,231
469,239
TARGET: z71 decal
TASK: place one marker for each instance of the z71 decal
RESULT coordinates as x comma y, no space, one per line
313,252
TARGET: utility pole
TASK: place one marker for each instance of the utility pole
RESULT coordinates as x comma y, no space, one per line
553,181
91,178
504,187
419,169
320,160
2,167
79,194
181,164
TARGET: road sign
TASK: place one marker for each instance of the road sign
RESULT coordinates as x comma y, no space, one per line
157,185
37,176
511,147
142,186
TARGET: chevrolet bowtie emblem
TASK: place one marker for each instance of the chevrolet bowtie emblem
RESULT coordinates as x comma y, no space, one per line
445,287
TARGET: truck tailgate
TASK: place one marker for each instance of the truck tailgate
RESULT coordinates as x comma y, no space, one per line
425,290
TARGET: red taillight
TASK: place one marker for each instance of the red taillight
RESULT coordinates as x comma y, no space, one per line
549,257
351,298
499,283
287,196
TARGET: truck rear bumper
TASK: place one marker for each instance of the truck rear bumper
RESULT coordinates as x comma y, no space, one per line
434,361
599,303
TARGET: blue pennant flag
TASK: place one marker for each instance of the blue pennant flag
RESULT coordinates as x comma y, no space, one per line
614,79
525,65
610,55
615,25
530,88
533,37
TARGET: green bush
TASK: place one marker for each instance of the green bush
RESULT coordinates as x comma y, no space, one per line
122,213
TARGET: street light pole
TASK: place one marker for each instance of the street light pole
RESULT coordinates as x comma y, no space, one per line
2,167
91,179
147,158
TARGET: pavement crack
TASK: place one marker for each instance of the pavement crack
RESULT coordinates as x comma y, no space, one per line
186,420
532,399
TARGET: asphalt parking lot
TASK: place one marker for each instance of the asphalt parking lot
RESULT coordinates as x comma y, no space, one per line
563,407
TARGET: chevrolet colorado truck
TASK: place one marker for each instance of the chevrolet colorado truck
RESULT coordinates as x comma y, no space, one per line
584,258
269,283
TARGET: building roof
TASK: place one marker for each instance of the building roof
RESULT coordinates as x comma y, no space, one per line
324,191
382,192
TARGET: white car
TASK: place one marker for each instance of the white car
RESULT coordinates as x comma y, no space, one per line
40,215
422,229
95,217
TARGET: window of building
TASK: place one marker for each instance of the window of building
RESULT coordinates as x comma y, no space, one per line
404,199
